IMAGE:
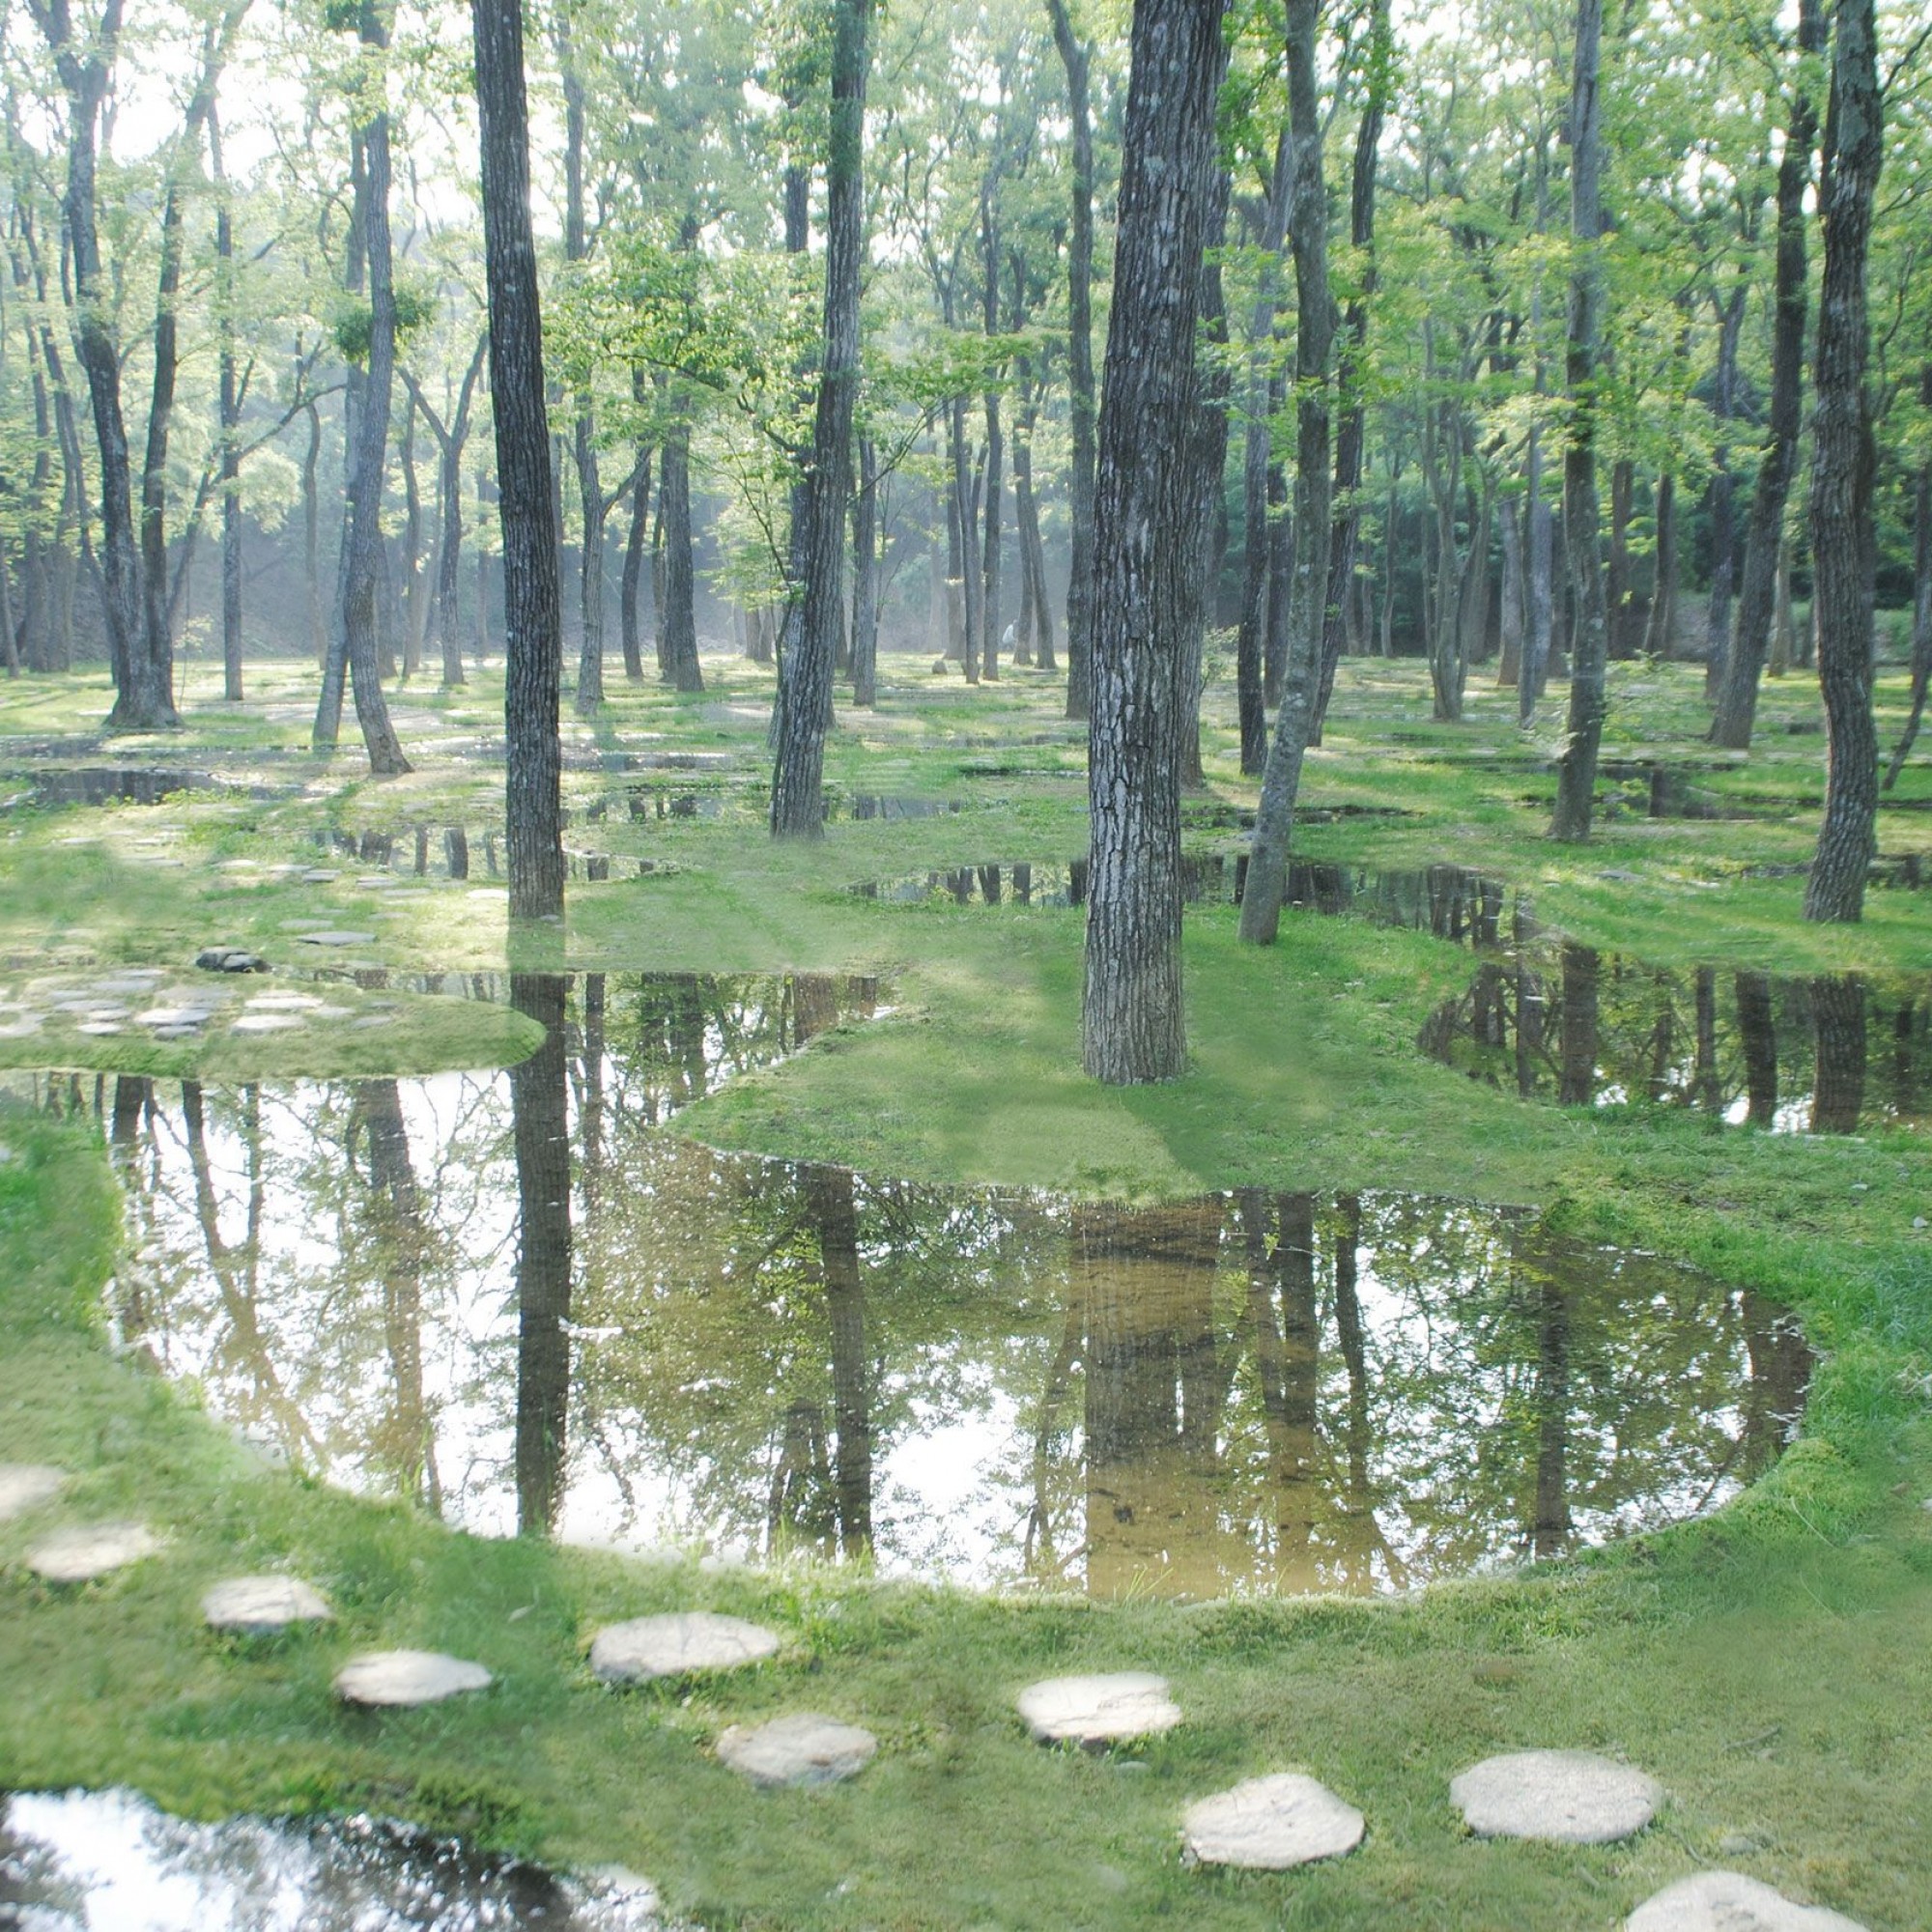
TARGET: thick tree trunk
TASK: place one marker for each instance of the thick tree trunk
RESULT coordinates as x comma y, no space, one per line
532,640
1757,594
1577,775
1145,505
1313,374
804,677
1084,404
680,587
1844,537
1509,667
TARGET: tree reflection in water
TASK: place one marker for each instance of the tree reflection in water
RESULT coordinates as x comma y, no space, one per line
519,1300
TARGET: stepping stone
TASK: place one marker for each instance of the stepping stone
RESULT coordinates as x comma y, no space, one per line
26,1486
79,1555
230,959
1269,1824
805,1749
334,938
283,1002
1729,1902
1564,1798
266,1023
1099,1710
674,1645
174,1016
263,1606
401,1677
99,1029
317,877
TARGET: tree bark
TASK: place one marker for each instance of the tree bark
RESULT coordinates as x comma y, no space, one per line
804,677
1921,600
532,630
636,549
1210,460
1577,775
1844,537
1147,497
866,579
1722,493
1074,55
680,589
229,405
1662,625
1757,594
1313,374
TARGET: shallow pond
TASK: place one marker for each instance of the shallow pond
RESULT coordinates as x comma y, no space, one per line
519,1300
110,1861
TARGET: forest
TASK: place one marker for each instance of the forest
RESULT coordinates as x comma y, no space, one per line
981,947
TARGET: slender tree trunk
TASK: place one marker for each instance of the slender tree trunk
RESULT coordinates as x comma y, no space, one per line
1210,460
415,614
1541,613
681,612
1844,537
1509,667
1757,594
1146,520
1313,374
1074,56
965,514
989,652
230,419
1921,600
635,544
318,629
1722,490
533,630
1619,586
866,578
805,678
1663,624
1576,777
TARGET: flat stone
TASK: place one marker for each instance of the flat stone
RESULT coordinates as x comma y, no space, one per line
1565,1797
399,1677
79,1555
230,959
804,1748
1098,1710
174,1016
262,1606
334,938
99,1029
1729,1902
267,1023
318,875
674,1645
1269,1824
283,1002
26,1486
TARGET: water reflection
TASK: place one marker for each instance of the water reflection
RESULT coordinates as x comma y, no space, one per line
78,1859
518,1299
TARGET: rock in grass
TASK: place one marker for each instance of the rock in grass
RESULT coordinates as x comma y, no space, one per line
392,1678
1564,1798
677,1644
1269,1824
93,1549
1731,1902
263,1606
334,938
805,1749
230,959
1098,1710
26,1486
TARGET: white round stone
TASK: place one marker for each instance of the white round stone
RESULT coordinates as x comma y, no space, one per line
670,1646
1269,1824
26,1486
1098,1710
1565,1798
261,1605
79,1555
804,1748
1731,1902
395,1677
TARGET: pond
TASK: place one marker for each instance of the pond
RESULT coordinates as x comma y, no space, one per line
525,1303
72,1861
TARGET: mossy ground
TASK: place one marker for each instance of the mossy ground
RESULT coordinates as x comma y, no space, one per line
1770,1667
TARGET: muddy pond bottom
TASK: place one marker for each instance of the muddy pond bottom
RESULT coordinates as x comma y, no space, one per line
523,1301
77,1859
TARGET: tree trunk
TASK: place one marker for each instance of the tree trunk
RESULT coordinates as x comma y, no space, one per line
1921,600
1620,588
1314,354
415,614
680,589
318,628
533,630
229,418
1083,402
1509,668
866,579
1724,534
1844,537
1145,503
996,446
965,498
804,677
1577,776
635,547
1210,460
1663,624
1541,612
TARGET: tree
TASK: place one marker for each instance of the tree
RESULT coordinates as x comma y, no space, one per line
1576,772
1844,543
532,640
1147,497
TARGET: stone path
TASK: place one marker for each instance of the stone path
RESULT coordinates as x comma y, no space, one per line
1270,1823
1563,1798
1098,1710
263,1606
1731,1902
677,1644
804,1748
26,1486
94,1549
388,1679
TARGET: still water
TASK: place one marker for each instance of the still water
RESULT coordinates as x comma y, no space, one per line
525,1301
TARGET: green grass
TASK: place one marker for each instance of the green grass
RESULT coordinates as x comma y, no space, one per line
1770,1665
